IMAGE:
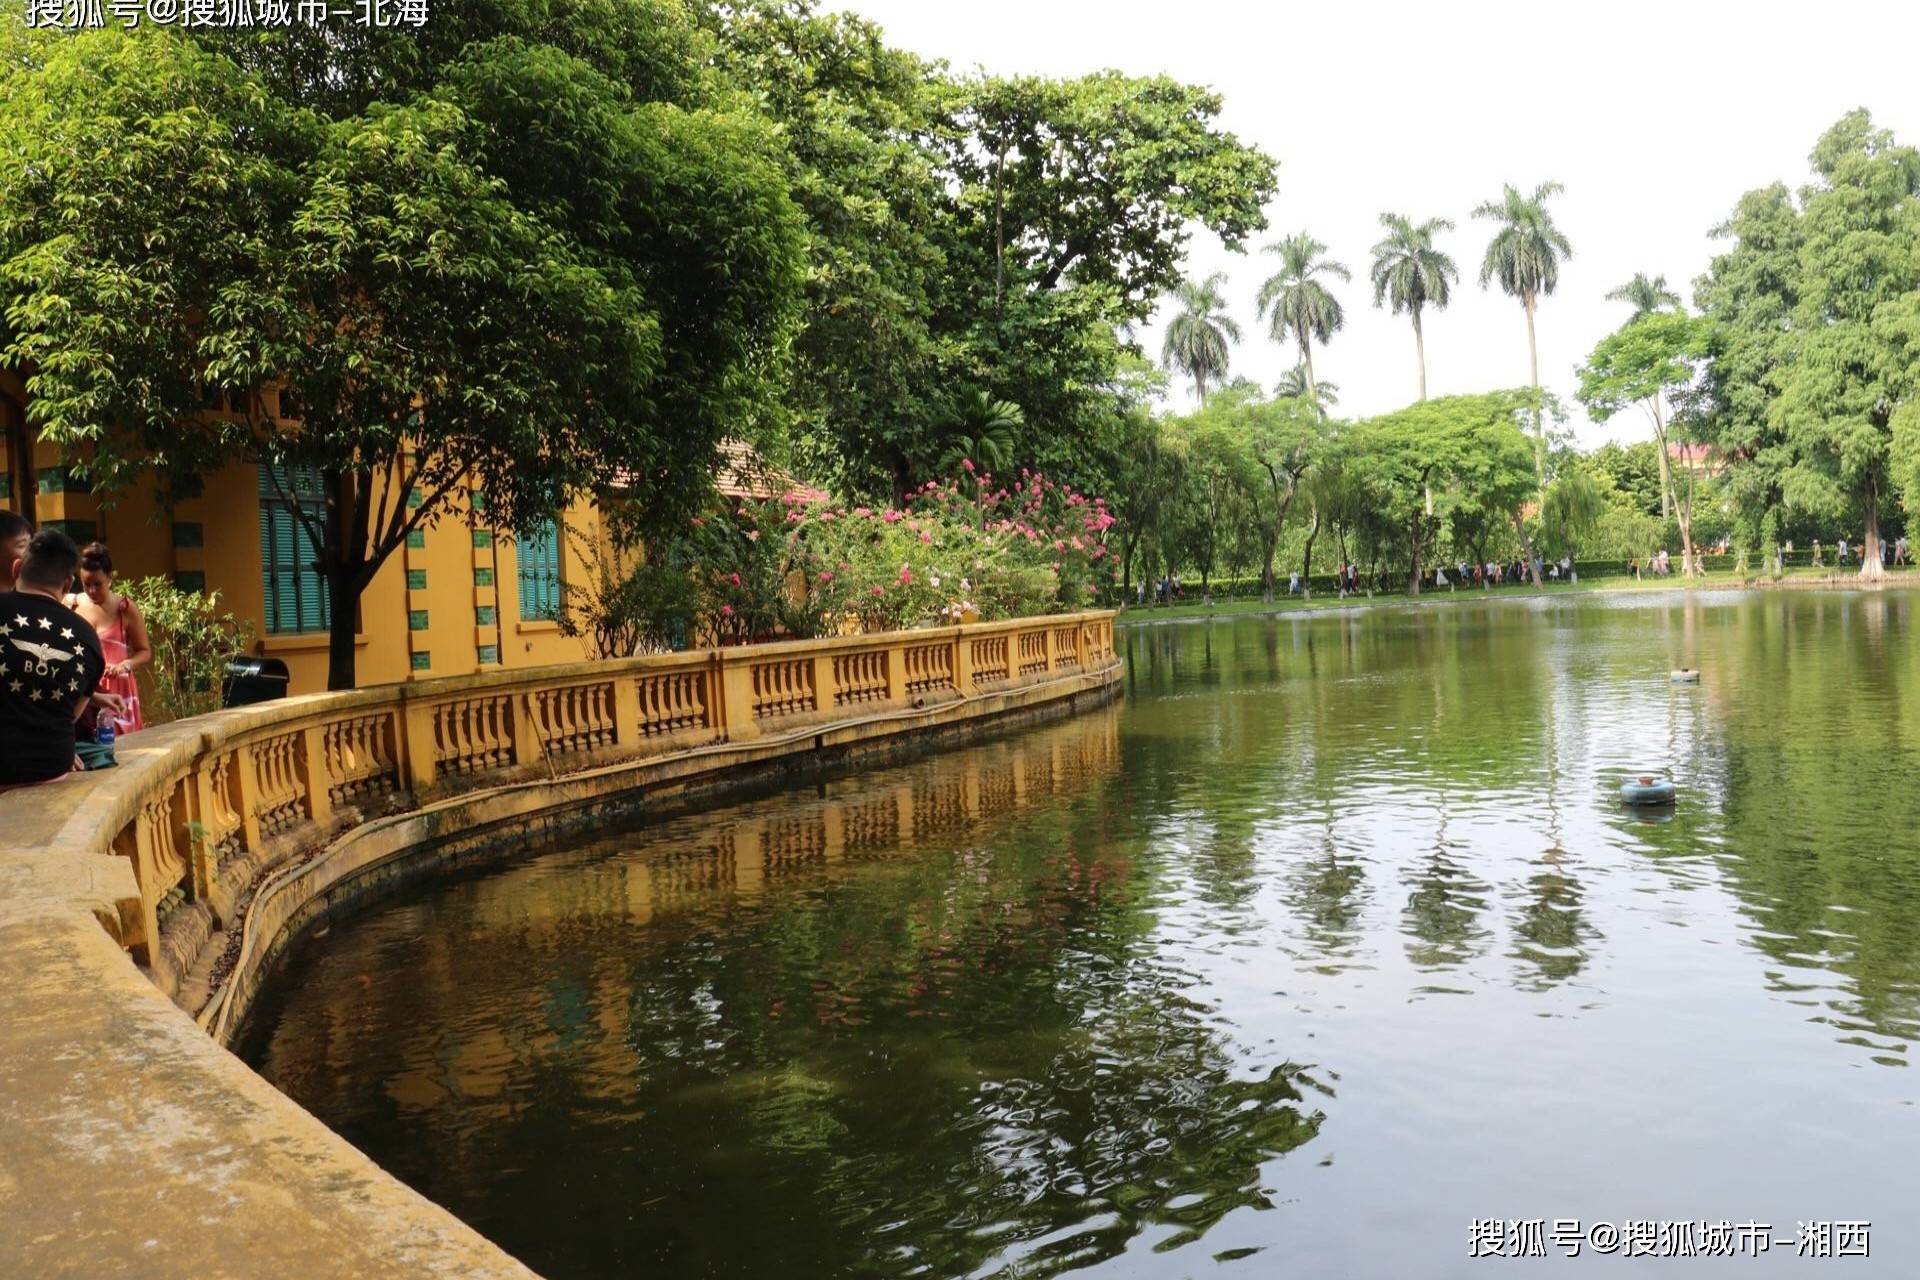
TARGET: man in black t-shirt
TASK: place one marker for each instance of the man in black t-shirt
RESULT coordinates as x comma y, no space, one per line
50,663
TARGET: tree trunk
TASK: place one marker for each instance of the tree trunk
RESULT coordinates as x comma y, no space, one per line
1666,474
1200,386
343,603
1420,350
1683,510
20,454
1306,563
1413,578
1539,419
1306,358
1526,549
1870,566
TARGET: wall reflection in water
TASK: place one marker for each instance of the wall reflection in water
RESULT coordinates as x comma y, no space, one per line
911,1024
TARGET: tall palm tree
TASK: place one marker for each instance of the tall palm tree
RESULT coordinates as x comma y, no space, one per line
1197,337
1293,384
1410,274
1298,304
1646,296
1524,256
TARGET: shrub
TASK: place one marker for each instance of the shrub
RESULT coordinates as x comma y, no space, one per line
623,609
192,643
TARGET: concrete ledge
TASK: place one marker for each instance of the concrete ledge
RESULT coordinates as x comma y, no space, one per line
133,1144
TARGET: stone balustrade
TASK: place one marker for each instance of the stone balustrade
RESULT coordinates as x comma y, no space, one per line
137,1145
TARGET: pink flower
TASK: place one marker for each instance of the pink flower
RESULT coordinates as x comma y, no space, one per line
698,523
967,463
925,536
726,611
734,578
890,516
877,591
753,535
865,513
906,575
826,575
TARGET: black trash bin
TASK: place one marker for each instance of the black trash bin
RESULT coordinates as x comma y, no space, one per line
251,680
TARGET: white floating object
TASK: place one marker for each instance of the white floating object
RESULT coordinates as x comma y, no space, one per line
1684,675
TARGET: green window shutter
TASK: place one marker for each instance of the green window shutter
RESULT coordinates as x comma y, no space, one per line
539,576
416,619
423,661
483,615
294,590
483,577
489,655
416,579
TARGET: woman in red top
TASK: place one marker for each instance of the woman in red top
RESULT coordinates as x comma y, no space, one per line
122,631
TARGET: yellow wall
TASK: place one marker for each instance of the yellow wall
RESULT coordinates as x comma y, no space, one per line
213,541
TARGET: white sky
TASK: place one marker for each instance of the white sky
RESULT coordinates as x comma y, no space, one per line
1655,116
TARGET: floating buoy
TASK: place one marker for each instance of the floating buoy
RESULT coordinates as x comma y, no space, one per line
1684,675
1647,789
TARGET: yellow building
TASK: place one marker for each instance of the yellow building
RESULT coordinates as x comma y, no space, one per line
460,597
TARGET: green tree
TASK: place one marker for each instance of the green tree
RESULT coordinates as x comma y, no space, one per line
1646,363
1573,510
1633,471
1645,295
1460,449
1200,332
515,281
1410,274
1748,296
1297,303
1524,256
1859,266
878,334
1277,442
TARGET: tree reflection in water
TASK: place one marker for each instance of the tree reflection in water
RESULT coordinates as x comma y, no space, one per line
885,1029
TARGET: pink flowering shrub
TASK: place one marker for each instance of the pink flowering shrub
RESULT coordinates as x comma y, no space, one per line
973,547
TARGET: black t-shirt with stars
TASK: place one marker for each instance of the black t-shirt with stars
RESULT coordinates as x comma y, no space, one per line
49,661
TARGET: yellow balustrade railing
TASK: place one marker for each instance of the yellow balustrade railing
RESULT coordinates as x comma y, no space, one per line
259,782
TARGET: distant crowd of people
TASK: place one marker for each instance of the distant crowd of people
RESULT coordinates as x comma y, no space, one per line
69,647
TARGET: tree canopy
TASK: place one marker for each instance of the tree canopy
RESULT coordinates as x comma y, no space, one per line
394,276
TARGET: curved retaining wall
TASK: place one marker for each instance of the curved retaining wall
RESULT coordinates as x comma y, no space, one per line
141,906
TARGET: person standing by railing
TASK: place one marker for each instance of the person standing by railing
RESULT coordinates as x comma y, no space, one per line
50,662
122,631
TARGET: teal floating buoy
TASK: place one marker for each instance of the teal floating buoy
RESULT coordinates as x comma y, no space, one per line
1647,790
1684,675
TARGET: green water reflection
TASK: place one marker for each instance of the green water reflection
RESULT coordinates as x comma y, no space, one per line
1326,941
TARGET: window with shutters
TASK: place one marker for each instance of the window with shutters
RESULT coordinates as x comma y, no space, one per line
295,592
539,555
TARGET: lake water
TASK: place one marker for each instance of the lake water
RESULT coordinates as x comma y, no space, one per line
1326,941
